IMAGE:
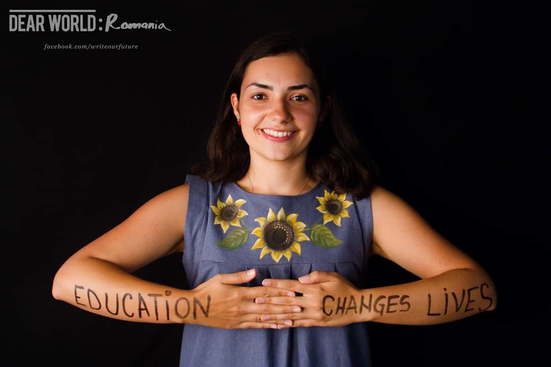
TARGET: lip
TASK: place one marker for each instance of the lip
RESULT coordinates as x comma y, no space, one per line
278,139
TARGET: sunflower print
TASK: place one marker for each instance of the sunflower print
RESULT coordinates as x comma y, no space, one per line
333,206
279,235
229,213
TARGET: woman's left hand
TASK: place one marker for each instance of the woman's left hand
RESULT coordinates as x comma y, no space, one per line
322,302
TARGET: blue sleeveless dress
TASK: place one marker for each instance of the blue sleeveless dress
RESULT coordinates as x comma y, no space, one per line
229,229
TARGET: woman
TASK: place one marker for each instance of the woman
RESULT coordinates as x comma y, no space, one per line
277,229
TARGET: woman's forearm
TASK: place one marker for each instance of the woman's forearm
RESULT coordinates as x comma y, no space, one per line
450,296
103,288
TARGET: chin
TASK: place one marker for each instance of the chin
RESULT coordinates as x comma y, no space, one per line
278,158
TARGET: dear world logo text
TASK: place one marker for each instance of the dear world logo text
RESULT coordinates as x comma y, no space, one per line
30,20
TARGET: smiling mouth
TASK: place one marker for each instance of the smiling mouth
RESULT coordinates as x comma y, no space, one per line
277,134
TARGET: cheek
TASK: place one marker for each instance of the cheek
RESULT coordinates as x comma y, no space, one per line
252,108
306,118
252,116
248,130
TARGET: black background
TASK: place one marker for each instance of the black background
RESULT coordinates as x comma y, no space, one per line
450,97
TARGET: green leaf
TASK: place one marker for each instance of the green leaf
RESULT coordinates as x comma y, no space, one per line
235,239
322,236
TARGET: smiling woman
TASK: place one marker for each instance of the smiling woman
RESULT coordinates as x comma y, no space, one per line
278,115
276,229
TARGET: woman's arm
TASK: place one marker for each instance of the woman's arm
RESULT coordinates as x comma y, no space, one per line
452,285
98,278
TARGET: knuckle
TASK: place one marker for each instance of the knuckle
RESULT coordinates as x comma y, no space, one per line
265,293
266,309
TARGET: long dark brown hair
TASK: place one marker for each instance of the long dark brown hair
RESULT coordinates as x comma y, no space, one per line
334,154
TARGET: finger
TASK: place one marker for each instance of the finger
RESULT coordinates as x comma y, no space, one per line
289,284
304,318
254,292
317,277
260,310
304,323
257,321
283,317
246,308
295,301
257,318
238,278
261,325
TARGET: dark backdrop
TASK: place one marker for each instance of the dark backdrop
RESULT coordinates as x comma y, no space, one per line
448,96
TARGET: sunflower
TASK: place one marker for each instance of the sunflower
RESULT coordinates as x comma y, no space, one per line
333,206
279,235
228,213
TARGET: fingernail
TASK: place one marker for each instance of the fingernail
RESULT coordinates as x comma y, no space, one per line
250,273
297,309
266,282
265,317
303,278
288,323
274,326
291,294
260,300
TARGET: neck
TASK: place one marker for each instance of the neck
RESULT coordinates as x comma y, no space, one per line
277,178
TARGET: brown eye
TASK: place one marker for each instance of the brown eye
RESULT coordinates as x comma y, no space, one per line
257,97
300,98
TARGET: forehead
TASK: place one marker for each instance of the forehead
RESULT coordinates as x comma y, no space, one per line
280,69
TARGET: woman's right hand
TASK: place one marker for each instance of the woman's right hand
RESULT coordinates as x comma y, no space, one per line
234,307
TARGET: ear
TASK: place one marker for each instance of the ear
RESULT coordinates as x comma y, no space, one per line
326,107
235,104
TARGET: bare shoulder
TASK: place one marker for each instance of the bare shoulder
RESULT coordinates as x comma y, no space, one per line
389,209
384,197
174,197
173,203
403,236
169,206
154,230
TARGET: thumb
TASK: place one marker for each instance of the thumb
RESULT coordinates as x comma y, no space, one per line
315,277
239,277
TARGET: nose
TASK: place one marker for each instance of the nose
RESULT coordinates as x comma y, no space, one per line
279,112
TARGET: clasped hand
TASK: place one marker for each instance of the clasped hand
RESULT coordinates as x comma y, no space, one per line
275,304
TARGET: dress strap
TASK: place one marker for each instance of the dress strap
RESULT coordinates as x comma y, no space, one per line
365,213
196,216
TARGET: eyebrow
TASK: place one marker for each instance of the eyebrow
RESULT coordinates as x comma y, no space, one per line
293,87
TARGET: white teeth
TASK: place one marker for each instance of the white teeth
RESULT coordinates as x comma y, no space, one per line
277,134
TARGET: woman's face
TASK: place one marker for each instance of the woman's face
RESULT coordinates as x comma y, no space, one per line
279,104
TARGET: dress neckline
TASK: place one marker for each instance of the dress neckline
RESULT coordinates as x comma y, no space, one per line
233,184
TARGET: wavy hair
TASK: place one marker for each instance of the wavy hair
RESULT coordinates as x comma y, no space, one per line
335,155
